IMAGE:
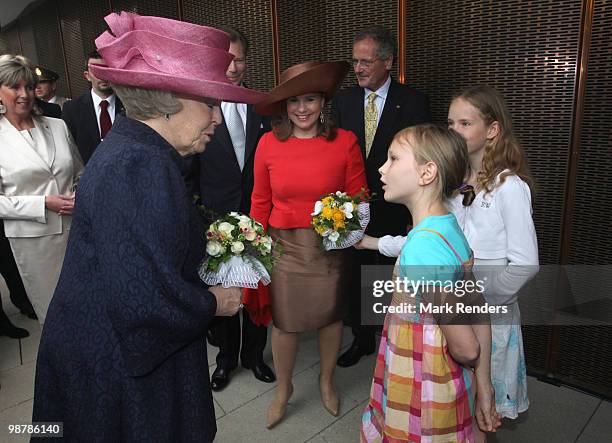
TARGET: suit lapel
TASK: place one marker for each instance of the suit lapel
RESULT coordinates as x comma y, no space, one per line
253,127
223,138
90,118
387,119
21,146
48,136
356,112
118,107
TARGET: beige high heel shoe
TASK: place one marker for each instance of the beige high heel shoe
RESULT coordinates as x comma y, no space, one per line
331,404
276,412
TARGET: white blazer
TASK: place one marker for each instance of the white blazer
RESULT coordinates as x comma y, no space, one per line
26,178
497,225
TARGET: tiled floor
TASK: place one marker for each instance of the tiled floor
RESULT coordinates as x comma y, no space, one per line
556,414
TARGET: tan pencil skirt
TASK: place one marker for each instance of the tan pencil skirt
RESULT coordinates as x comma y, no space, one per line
308,283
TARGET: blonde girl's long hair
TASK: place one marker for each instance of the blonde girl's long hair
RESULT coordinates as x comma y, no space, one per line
504,151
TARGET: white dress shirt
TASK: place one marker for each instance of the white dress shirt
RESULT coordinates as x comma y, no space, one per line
242,111
241,108
381,98
111,107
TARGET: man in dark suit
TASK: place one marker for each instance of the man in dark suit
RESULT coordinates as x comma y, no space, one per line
90,116
375,111
49,109
46,86
225,178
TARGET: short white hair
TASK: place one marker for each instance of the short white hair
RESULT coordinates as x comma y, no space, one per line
145,104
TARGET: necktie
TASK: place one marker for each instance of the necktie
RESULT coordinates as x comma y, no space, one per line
105,120
235,126
371,121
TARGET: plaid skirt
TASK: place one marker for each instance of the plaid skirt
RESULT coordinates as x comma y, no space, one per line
419,393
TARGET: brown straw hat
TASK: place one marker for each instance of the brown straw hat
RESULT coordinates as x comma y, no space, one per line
303,78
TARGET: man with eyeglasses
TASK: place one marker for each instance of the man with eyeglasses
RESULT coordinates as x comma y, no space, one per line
224,180
375,111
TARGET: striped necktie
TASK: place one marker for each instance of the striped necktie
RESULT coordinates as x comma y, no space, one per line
235,127
371,121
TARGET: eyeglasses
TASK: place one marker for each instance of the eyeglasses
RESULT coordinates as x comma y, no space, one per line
364,63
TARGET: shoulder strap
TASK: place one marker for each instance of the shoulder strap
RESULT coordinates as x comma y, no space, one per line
445,241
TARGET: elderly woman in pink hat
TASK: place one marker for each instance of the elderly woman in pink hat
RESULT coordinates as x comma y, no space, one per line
121,356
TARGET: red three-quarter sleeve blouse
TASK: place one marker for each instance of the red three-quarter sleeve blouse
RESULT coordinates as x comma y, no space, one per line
291,175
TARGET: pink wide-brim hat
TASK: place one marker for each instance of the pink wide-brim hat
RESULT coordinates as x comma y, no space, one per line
168,55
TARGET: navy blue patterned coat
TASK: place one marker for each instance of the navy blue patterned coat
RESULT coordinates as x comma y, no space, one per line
122,356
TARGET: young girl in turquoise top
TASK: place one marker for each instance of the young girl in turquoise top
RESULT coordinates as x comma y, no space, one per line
423,380
496,218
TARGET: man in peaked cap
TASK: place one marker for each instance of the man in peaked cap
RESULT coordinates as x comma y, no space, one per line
47,85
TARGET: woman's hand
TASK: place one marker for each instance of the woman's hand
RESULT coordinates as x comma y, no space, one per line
228,300
487,417
60,204
367,242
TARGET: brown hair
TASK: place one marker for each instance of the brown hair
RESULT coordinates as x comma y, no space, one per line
236,36
504,151
92,54
442,146
282,126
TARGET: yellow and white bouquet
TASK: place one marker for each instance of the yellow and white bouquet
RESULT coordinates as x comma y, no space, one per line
238,253
340,219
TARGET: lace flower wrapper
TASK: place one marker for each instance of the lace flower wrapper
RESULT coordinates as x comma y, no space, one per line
348,239
238,271
238,253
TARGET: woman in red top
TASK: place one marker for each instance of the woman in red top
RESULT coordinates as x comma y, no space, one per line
303,158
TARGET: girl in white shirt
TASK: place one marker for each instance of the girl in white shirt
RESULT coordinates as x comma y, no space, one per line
494,211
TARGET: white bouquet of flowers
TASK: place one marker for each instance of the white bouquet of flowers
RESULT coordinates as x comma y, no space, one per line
238,253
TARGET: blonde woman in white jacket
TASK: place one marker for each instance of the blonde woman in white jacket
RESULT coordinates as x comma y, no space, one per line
39,167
